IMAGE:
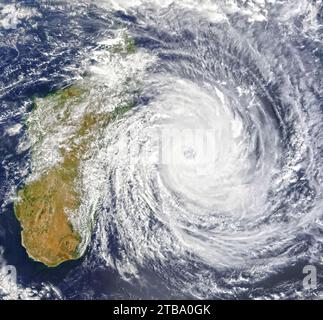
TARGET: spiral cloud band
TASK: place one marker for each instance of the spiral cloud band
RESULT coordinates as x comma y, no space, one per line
217,172
208,182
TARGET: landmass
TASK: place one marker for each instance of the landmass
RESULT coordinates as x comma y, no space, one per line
45,205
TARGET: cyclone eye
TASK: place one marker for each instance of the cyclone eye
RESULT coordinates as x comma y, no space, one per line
172,144
189,153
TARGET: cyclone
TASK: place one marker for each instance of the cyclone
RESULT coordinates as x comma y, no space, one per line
211,186
218,172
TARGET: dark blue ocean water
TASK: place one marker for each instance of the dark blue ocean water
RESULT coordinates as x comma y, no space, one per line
38,56
34,58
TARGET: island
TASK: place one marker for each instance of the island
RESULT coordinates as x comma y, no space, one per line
46,204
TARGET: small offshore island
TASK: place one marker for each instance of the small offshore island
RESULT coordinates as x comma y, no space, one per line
45,204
